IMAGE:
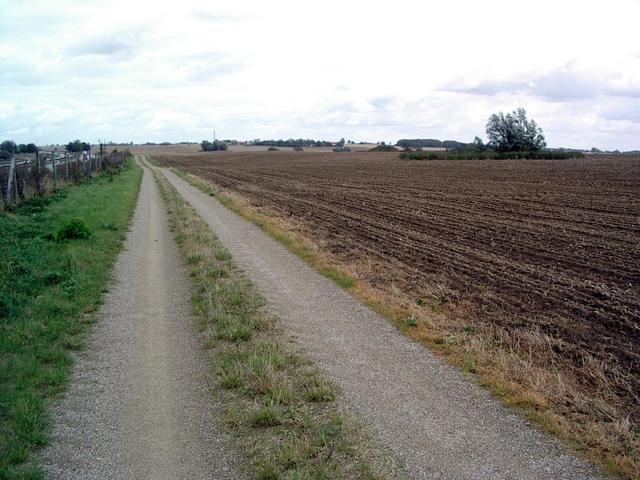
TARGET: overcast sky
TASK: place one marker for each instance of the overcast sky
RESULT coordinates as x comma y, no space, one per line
364,70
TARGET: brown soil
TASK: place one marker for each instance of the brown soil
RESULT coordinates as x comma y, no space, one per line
551,245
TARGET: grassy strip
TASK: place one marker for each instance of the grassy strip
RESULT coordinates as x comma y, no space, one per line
505,362
57,253
281,406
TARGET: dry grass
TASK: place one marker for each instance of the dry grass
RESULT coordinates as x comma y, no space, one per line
522,367
283,409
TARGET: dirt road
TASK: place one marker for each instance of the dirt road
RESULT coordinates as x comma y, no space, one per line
139,405
440,424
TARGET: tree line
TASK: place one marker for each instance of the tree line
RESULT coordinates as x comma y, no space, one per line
512,132
8,148
299,142
407,143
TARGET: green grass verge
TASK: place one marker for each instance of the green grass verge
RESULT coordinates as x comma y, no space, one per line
57,253
282,408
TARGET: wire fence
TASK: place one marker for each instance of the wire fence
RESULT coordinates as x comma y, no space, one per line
26,176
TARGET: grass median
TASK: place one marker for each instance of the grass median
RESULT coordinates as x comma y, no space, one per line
285,412
57,254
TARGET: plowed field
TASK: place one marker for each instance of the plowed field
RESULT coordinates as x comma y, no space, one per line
551,244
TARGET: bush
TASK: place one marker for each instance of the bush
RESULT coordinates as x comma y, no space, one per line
78,146
298,149
342,149
272,149
383,148
76,228
215,146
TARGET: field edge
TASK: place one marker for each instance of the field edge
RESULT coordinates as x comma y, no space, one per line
622,460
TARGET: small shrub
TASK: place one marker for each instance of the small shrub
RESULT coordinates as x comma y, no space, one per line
298,149
76,228
272,149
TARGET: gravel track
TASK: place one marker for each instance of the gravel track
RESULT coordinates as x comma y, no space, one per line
139,404
438,423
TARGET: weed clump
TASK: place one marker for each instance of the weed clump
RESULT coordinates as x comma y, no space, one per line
265,416
76,228
410,321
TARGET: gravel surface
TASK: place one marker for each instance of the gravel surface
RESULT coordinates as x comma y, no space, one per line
438,423
139,404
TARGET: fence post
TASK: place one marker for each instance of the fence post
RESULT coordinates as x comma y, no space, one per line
12,174
53,165
66,165
38,188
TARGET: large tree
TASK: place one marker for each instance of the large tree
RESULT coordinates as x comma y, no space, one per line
78,146
7,149
514,133
28,148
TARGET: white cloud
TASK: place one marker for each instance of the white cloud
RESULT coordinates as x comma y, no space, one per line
164,70
562,84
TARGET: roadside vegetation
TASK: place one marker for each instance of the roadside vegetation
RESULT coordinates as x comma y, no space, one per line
285,412
527,368
57,253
